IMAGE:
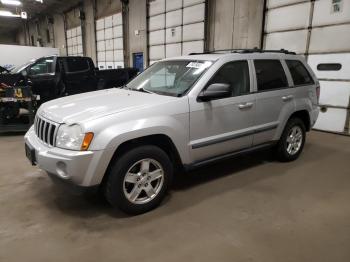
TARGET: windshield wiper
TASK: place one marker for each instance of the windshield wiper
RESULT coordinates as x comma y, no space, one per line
133,89
126,87
166,93
143,90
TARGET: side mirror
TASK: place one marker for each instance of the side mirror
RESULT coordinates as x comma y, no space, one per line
215,91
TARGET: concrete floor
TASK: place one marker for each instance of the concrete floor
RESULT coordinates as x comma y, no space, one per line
248,209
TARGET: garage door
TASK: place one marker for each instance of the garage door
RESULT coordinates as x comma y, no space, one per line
320,30
74,41
175,28
109,37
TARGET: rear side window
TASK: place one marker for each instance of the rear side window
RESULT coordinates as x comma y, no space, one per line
76,64
236,74
299,73
270,75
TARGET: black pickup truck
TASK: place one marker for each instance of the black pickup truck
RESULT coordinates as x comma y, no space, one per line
56,76
24,88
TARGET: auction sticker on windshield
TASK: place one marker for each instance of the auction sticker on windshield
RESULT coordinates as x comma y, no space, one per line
195,65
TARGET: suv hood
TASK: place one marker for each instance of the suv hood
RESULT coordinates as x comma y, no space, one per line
92,105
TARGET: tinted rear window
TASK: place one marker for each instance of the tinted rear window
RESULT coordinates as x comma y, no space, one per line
76,64
270,75
299,73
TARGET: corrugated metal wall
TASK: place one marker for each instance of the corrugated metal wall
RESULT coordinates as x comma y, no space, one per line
74,33
320,30
234,24
175,28
75,41
110,47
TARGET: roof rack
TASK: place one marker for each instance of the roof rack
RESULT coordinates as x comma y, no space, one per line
246,51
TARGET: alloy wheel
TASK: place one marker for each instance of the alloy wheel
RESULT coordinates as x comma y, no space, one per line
143,181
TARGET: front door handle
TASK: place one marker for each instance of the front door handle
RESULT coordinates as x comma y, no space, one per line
245,105
287,98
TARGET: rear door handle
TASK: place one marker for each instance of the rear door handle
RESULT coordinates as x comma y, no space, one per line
287,98
245,105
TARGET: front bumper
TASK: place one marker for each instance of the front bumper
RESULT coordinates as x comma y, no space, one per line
82,168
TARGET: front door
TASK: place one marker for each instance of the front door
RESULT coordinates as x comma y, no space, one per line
42,76
225,125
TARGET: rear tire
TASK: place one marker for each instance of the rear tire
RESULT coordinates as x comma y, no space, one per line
138,180
292,141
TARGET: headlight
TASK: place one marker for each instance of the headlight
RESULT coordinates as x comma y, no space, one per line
72,137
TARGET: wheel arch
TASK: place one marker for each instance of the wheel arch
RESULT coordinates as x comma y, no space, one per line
304,116
160,140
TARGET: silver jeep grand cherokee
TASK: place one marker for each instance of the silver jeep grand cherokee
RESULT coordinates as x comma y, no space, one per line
181,112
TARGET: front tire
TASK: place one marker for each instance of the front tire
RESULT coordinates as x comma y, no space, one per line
292,141
139,179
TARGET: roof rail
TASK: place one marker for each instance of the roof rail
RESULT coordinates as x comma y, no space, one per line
245,51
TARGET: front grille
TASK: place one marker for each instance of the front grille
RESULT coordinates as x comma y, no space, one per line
45,130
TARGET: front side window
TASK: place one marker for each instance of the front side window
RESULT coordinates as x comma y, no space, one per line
236,74
42,66
299,73
173,78
270,75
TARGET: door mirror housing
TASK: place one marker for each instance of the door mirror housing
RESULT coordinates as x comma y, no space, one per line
215,91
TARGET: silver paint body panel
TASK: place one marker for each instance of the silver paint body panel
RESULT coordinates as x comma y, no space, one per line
199,130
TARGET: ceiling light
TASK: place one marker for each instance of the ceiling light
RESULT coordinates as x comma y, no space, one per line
11,2
8,14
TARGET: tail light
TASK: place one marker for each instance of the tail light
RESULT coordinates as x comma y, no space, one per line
318,92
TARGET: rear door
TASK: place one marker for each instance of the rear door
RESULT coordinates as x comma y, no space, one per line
79,75
304,85
274,101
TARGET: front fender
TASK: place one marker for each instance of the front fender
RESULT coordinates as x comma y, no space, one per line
111,137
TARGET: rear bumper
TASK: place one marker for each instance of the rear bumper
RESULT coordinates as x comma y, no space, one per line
79,168
313,116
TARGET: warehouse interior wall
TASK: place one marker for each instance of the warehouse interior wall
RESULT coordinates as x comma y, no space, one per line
106,32
137,29
89,29
107,8
234,24
21,38
73,17
9,39
59,34
230,24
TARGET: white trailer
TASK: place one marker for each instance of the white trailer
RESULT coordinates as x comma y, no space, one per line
16,55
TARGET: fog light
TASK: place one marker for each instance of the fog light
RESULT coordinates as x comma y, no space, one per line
61,169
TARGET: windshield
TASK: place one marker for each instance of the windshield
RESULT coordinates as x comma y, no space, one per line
18,69
173,78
